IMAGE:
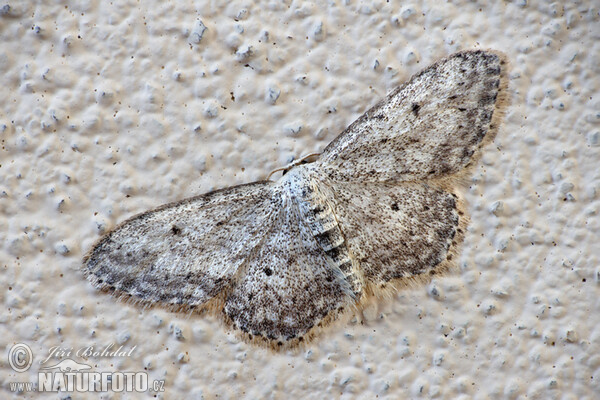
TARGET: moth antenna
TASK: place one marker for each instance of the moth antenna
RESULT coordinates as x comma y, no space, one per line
292,164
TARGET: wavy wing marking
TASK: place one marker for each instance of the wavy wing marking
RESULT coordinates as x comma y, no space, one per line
427,128
186,252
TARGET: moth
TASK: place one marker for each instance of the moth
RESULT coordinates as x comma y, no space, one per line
379,207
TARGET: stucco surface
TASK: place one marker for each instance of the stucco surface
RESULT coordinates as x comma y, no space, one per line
108,109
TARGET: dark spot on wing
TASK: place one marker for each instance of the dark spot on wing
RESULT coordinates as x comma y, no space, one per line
415,109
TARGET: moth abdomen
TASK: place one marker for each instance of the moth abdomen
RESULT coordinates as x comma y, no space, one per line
322,223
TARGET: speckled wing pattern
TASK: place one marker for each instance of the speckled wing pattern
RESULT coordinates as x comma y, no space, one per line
186,252
395,231
290,284
427,128
280,259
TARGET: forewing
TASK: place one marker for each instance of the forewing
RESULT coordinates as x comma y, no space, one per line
396,231
290,285
184,253
428,127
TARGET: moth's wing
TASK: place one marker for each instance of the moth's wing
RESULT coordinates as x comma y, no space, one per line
290,285
184,253
426,128
397,231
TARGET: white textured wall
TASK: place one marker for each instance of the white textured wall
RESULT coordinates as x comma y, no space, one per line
111,108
